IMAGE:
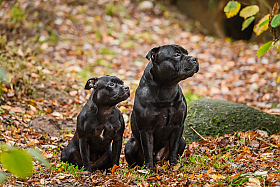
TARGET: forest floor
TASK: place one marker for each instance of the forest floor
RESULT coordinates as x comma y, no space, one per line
50,48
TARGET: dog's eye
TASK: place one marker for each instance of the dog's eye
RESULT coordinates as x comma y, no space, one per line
112,84
177,54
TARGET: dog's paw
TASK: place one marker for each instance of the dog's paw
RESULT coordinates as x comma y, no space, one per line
88,169
173,162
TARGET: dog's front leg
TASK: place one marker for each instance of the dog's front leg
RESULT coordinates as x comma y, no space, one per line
84,151
147,144
174,144
116,150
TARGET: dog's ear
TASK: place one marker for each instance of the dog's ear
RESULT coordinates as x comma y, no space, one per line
152,54
91,83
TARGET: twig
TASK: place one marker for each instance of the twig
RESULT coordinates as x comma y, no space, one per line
198,134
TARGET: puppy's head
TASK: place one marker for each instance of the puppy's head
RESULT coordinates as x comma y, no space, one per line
108,90
171,63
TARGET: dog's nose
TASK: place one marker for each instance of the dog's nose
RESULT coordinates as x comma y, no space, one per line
194,60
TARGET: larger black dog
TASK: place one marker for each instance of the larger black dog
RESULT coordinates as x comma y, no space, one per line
159,111
99,123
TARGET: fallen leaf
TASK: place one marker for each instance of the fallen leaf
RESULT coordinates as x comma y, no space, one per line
20,53
73,93
176,167
262,173
143,171
218,176
16,109
254,180
164,167
114,168
56,114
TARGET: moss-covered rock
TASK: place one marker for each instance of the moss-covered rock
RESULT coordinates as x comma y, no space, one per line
211,117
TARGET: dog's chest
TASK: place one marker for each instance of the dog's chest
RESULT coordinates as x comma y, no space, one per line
105,131
167,119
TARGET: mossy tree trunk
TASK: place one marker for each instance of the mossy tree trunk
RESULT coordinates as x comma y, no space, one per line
210,117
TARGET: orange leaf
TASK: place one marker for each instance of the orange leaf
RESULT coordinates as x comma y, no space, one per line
114,168
246,149
55,103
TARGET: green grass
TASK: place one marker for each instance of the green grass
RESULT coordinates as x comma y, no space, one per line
17,15
203,161
62,167
189,96
132,174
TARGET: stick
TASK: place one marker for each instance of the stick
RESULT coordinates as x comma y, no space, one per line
198,134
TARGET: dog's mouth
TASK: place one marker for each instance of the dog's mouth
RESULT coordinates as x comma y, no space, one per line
122,96
191,66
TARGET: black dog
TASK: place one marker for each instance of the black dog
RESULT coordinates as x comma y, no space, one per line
99,123
159,111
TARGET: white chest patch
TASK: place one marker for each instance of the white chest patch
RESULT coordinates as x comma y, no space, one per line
101,135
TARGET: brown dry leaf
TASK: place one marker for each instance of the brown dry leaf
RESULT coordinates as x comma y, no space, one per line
275,9
211,170
16,109
20,53
254,181
34,75
176,167
73,93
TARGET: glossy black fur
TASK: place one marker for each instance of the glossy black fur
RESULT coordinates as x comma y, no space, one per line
99,123
159,111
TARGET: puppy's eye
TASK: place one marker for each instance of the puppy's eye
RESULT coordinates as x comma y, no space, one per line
112,84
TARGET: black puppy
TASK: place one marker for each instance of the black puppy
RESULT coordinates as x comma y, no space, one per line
159,111
99,123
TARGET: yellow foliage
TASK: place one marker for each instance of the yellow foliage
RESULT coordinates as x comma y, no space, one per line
218,176
249,11
257,29
278,79
232,8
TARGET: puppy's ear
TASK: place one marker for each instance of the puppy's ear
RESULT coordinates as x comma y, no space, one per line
91,83
152,54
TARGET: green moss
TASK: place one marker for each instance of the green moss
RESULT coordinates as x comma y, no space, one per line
225,117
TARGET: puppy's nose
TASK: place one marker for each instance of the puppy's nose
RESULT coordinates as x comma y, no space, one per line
126,88
194,60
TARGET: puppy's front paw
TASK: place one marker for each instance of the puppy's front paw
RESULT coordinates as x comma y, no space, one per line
150,166
88,168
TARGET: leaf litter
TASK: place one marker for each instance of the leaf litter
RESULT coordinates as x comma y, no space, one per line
59,45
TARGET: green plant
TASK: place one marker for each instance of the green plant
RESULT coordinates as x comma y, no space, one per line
17,15
62,167
194,163
270,21
189,96
134,174
18,161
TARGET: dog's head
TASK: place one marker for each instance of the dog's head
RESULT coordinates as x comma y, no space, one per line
171,63
108,90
